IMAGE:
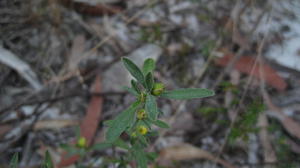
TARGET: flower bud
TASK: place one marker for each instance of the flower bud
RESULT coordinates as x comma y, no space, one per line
141,114
133,134
158,88
142,130
142,97
81,143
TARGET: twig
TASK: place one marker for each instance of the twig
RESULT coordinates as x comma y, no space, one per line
29,101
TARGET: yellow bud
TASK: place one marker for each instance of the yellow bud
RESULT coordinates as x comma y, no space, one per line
81,143
142,130
141,114
158,88
142,97
133,134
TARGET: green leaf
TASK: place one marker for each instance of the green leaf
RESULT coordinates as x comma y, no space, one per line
121,122
101,146
131,90
77,131
48,161
140,156
160,124
120,143
149,66
189,93
108,123
71,150
149,81
134,70
152,156
14,161
151,107
134,85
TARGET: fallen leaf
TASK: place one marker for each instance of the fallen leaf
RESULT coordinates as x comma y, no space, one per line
245,65
54,124
290,125
90,122
94,10
185,151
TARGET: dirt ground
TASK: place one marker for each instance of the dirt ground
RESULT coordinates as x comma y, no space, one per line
60,72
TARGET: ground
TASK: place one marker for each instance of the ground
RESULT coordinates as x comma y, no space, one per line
60,71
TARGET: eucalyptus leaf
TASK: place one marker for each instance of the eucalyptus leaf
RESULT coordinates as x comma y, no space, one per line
134,70
189,93
14,161
122,121
149,66
149,81
151,107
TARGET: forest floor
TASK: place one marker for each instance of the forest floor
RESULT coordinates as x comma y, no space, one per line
60,70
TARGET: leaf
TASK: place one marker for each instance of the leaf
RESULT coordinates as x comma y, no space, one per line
149,66
185,151
140,156
48,161
149,81
134,85
152,156
130,90
108,123
151,107
121,122
71,150
160,124
14,161
134,70
100,146
120,143
189,93
246,64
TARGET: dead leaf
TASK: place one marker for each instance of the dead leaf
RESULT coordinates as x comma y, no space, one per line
245,65
94,10
288,123
185,151
90,122
54,124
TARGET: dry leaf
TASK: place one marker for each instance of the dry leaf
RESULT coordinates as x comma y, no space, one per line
288,123
246,65
188,152
94,10
54,124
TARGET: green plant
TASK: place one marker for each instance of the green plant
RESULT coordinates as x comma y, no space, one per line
247,122
137,120
14,161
